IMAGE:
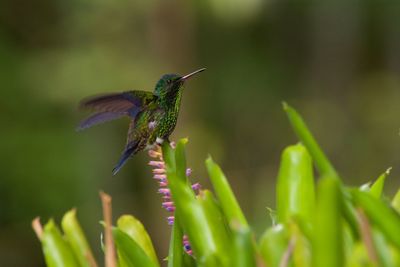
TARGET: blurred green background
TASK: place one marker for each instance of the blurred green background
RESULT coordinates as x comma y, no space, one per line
337,62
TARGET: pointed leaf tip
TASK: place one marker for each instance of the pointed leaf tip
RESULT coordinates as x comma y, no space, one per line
223,190
77,240
300,128
295,195
57,251
129,251
285,106
135,230
396,201
376,188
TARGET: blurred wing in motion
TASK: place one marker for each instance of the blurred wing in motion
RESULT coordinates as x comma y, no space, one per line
98,118
114,106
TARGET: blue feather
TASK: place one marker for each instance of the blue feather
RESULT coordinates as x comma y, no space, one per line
129,150
99,118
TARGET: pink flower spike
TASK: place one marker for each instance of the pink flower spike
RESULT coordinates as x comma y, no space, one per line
164,191
158,171
156,163
167,204
186,245
163,184
154,154
160,176
166,198
170,209
171,220
196,186
188,249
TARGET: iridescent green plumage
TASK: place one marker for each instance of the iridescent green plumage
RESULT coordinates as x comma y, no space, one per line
153,116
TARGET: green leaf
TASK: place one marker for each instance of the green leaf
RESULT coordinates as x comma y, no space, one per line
169,158
273,244
76,238
229,204
295,185
218,224
377,187
396,201
130,252
301,254
327,243
243,247
191,214
383,216
135,229
349,213
175,255
359,257
57,251
348,241
385,254
189,261
303,133
180,160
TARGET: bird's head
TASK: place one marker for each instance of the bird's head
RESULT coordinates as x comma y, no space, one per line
170,84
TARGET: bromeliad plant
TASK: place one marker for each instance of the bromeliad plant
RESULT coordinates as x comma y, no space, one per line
331,226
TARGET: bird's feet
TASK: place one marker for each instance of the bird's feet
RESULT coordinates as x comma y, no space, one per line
160,141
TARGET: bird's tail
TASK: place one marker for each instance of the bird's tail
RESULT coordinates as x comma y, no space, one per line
129,151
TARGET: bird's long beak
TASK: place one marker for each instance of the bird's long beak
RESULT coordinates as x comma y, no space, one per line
187,76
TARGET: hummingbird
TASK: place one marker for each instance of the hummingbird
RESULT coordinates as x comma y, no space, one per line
152,115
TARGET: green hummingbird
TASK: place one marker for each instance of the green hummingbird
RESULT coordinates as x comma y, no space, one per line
153,115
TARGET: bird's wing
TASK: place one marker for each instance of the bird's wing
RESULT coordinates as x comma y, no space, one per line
130,134
113,106
124,102
98,118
